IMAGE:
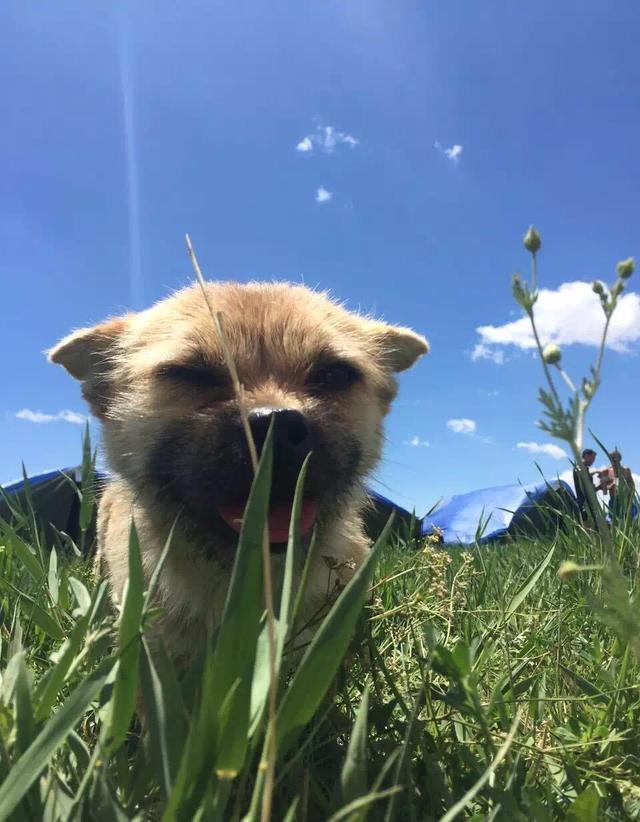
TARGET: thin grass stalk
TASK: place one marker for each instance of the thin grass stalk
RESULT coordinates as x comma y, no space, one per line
269,765
486,776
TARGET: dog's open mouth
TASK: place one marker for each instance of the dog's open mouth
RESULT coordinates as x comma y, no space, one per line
278,519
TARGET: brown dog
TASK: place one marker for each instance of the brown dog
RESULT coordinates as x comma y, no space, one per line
173,435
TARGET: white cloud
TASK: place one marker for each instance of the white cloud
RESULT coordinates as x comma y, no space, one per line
416,442
452,153
462,426
305,145
322,195
484,352
326,139
547,448
61,416
350,140
569,315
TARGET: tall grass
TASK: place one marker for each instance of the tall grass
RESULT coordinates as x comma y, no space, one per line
475,683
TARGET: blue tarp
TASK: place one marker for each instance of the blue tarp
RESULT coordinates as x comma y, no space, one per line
494,510
489,512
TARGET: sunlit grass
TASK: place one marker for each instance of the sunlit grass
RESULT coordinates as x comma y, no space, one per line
478,681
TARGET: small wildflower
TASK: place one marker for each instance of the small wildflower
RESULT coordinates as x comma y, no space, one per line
435,537
531,240
552,354
625,268
598,287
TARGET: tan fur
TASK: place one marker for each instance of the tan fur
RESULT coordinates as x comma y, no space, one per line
276,333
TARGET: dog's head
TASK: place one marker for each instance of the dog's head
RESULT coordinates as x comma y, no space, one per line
159,382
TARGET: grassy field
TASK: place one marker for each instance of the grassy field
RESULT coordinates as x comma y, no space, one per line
477,684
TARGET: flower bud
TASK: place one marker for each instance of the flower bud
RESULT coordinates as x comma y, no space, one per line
551,354
532,241
598,287
625,268
518,288
522,294
618,287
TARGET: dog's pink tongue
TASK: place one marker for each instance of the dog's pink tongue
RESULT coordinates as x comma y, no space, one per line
279,518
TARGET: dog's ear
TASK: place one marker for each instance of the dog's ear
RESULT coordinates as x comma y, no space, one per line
88,355
399,347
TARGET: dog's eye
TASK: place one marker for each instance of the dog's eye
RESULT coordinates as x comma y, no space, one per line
336,376
197,376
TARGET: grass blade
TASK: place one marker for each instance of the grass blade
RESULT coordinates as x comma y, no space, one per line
322,659
261,674
473,791
360,804
353,779
49,686
155,717
52,577
42,618
233,657
38,755
529,584
25,554
123,702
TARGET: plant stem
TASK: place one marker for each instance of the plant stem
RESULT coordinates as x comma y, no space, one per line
270,747
575,442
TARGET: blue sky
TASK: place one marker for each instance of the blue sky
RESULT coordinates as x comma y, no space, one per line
437,133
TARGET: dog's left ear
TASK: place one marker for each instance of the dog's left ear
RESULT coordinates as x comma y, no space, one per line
399,347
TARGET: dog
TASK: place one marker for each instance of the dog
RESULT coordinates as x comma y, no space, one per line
157,380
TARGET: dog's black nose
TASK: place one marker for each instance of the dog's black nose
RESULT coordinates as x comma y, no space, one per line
291,431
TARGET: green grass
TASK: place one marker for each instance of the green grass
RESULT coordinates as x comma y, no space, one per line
478,684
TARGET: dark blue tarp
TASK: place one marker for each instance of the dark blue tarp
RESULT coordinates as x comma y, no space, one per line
38,479
492,511
55,501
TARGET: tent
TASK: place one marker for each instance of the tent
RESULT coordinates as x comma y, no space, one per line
494,513
57,505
